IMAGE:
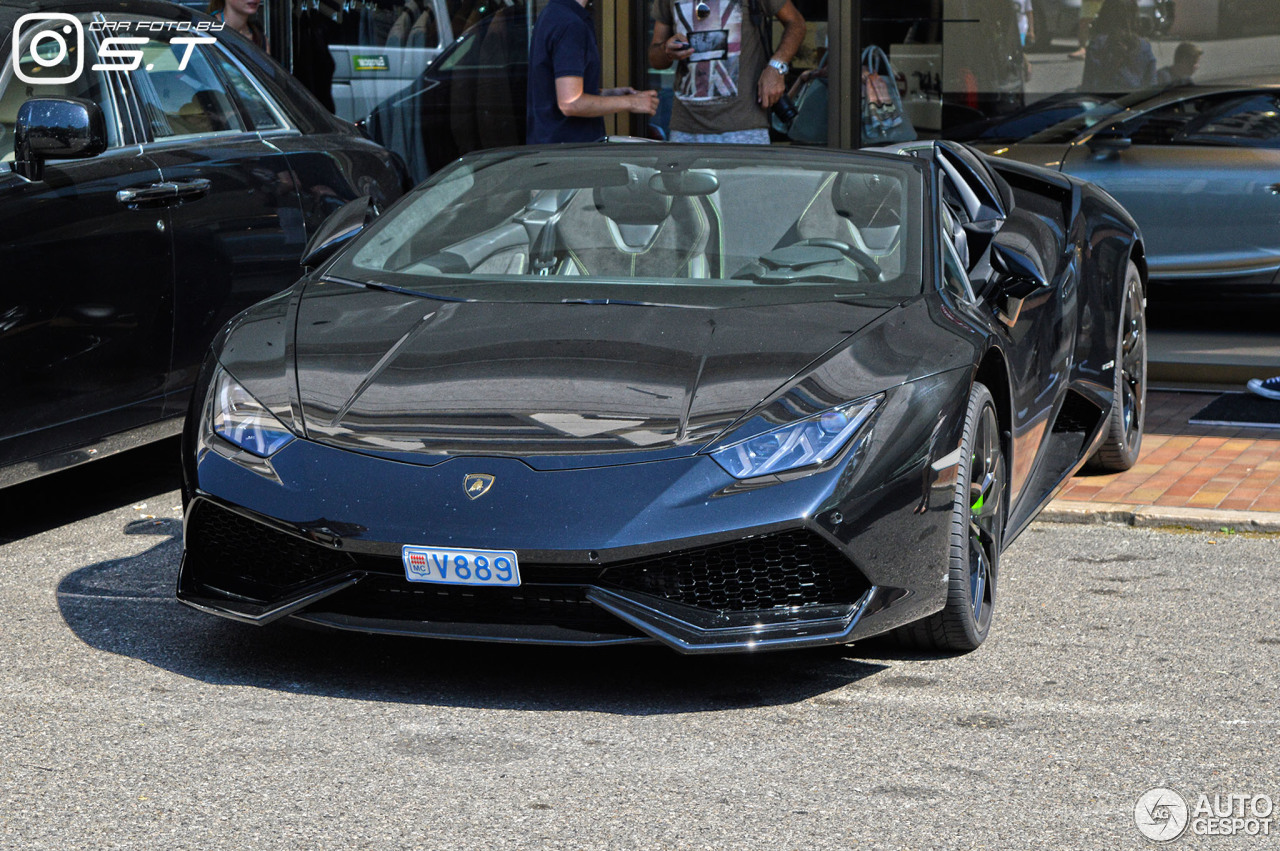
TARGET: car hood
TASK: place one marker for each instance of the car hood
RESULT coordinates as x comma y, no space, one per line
560,385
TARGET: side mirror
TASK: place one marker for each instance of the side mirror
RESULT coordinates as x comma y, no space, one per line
1019,276
979,235
56,129
1108,142
342,226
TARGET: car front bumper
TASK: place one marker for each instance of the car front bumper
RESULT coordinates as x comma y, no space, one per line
674,552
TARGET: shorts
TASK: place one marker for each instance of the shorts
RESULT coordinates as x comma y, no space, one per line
733,137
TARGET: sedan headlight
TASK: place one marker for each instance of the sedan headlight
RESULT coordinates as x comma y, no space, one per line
803,443
240,419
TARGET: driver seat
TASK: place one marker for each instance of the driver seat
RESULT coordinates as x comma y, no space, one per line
859,209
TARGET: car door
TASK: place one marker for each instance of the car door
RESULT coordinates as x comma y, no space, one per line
86,293
1037,345
238,230
1202,178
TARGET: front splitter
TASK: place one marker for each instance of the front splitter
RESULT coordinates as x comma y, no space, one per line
685,629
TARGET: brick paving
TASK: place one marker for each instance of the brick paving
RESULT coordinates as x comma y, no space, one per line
1191,466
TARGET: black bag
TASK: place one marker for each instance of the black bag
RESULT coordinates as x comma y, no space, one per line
808,126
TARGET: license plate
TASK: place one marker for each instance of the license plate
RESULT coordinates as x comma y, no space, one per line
449,566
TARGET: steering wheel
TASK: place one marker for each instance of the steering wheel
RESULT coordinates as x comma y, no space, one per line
857,255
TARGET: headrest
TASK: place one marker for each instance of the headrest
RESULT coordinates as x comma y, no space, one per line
867,199
633,203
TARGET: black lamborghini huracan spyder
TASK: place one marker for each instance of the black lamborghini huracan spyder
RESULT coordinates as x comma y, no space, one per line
719,398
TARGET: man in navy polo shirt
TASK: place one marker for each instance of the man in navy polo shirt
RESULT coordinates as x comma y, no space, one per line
565,102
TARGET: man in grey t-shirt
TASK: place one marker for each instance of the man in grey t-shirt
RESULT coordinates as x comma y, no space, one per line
725,84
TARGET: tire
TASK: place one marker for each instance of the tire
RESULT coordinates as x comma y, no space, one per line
976,536
1119,448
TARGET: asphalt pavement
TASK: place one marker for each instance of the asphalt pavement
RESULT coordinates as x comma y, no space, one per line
1121,659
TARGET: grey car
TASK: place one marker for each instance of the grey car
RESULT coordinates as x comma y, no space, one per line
1198,167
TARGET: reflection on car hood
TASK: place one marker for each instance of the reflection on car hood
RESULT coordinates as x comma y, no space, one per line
1048,156
560,385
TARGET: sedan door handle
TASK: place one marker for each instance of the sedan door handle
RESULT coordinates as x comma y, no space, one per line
189,190
164,194
153,194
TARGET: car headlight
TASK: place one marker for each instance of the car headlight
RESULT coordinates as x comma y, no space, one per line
242,420
803,443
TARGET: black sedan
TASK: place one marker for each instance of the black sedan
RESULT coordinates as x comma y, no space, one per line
701,396
149,191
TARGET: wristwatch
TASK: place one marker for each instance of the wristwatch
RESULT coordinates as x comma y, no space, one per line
779,66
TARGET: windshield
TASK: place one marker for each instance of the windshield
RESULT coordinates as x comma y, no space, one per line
1067,131
666,218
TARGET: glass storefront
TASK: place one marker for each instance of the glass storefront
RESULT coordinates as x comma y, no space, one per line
868,71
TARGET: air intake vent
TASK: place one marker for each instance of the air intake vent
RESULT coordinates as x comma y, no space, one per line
1077,414
797,568
236,554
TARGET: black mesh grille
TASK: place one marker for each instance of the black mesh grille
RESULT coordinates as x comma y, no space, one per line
239,555
787,569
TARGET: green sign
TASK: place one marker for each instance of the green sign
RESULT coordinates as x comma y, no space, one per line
377,62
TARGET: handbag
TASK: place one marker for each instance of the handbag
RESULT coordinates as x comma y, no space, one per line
883,119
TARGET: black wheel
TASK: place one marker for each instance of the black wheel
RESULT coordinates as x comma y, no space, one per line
977,533
1119,448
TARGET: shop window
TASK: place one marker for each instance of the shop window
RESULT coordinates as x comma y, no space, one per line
498,42
390,23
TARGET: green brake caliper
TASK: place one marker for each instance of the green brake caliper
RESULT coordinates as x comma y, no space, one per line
976,508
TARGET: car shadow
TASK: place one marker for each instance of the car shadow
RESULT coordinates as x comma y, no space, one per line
84,491
127,607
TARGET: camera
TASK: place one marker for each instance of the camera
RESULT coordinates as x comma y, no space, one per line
785,110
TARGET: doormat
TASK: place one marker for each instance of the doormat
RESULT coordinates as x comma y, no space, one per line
1244,410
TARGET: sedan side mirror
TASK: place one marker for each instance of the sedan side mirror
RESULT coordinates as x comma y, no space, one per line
1109,142
1019,276
56,129
343,225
